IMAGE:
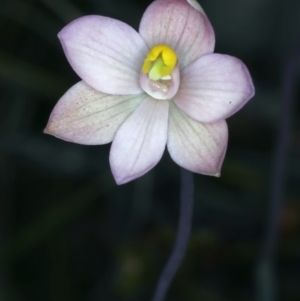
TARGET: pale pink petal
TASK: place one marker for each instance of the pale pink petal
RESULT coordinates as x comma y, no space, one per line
140,142
179,25
86,116
195,146
106,53
214,87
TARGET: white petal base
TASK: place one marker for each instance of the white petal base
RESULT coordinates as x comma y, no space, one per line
161,89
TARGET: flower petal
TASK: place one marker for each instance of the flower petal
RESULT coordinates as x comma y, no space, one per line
106,53
214,87
86,116
140,142
179,25
198,147
196,5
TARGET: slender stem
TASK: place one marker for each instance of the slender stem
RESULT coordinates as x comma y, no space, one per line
266,275
184,230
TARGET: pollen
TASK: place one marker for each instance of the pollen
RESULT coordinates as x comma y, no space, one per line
160,62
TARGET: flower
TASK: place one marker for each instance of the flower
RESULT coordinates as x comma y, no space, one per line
143,91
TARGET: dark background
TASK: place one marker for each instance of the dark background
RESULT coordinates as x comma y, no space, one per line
68,232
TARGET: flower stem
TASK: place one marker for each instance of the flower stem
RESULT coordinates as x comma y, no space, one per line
267,283
184,230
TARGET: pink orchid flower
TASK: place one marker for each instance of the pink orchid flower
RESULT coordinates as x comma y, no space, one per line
143,91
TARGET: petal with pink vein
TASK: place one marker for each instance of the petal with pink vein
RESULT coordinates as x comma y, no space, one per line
214,87
140,142
195,146
179,25
86,116
106,53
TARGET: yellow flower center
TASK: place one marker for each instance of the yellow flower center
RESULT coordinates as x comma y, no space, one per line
160,62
